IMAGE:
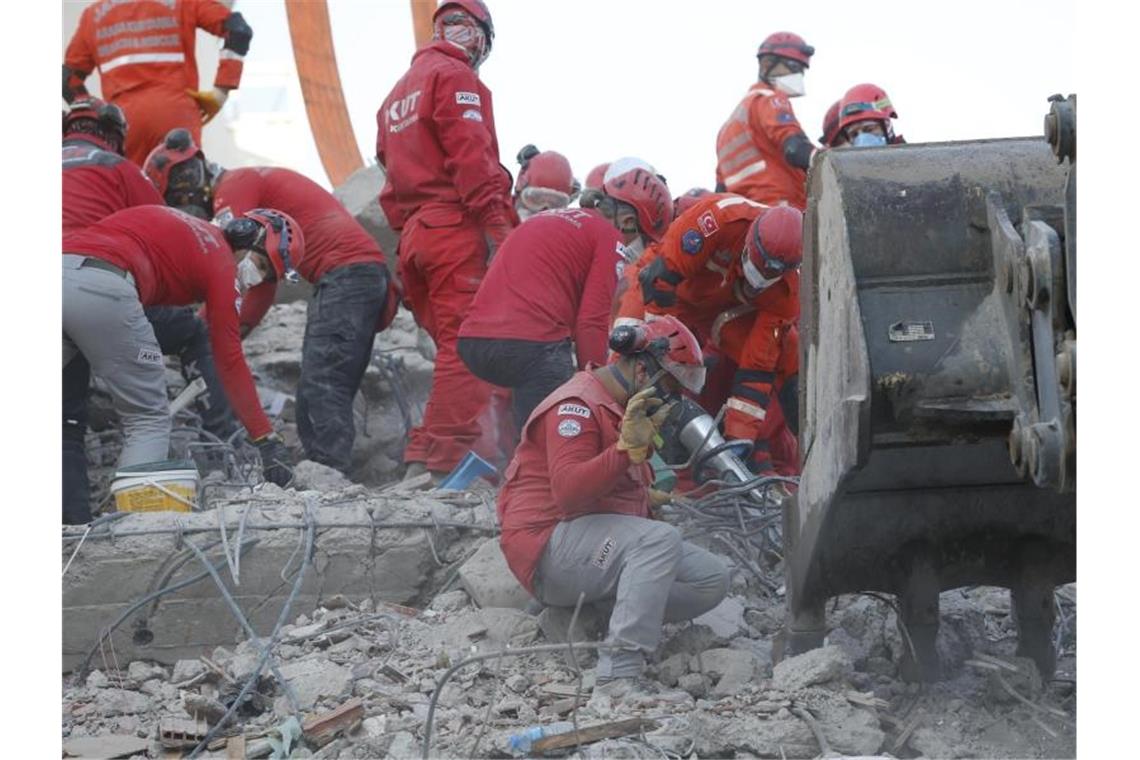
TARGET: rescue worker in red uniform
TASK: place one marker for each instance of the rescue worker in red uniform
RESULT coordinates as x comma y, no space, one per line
575,504
352,288
144,51
553,282
728,269
762,152
865,115
592,189
148,255
97,182
450,198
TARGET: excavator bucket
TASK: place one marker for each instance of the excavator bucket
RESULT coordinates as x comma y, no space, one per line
938,387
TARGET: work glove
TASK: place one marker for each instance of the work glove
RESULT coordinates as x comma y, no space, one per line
209,102
275,462
659,283
495,234
644,415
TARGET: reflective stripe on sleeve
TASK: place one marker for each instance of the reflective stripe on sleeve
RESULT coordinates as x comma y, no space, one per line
746,408
124,60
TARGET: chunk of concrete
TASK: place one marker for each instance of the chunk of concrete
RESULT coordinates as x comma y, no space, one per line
489,581
360,194
314,476
187,670
105,746
315,679
111,702
726,619
672,668
735,668
813,667
485,630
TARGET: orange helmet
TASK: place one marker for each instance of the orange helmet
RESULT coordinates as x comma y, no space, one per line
831,130
667,342
272,232
687,200
773,246
633,181
865,102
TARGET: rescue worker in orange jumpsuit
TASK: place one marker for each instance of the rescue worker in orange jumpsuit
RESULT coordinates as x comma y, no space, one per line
865,115
575,504
762,151
727,268
450,198
144,51
353,296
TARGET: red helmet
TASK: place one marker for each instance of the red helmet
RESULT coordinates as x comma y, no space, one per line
633,181
669,343
687,200
545,181
478,46
177,147
99,118
596,176
787,45
272,232
865,102
831,131
773,246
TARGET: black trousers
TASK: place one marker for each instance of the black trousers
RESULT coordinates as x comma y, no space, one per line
76,489
343,311
531,369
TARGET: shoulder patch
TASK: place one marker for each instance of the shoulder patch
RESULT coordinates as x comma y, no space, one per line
473,115
785,117
575,409
708,224
691,242
569,428
467,99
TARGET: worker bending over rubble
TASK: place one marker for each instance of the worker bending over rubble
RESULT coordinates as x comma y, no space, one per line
450,199
353,296
148,255
553,282
575,504
145,55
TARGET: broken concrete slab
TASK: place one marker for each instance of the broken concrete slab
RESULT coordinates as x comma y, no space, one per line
360,194
105,747
315,679
813,667
726,619
670,670
486,630
111,702
314,476
489,581
733,669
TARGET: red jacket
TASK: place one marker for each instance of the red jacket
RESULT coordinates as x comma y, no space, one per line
146,45
178,260
436,141
553,278
566,466
750,149
332,237
97,183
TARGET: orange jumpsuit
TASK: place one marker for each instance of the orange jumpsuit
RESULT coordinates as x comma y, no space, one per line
750,150
757,333
144,51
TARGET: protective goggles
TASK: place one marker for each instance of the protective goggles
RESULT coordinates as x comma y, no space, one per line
883,104
542,198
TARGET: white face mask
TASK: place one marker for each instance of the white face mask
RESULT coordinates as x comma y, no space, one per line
791,85
248,273
635,249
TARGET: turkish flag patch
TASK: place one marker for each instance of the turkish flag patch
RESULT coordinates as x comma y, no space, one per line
707,223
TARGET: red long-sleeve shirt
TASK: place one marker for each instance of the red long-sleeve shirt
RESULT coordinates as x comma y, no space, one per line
146,44
567,465
97,183
332,237
436,140
178,260
553,278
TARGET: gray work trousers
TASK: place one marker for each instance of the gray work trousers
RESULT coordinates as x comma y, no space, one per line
643,565
104,321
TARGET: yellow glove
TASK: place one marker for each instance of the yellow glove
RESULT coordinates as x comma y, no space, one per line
659,498
638,427
209,102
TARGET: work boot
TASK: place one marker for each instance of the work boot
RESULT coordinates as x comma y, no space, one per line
627,689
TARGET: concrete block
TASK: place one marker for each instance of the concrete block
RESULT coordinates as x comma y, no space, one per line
489,581
814,667
360,194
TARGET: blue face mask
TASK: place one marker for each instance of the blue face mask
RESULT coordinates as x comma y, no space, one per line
868,140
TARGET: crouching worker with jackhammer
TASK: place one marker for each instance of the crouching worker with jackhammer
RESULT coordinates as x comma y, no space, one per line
575,505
